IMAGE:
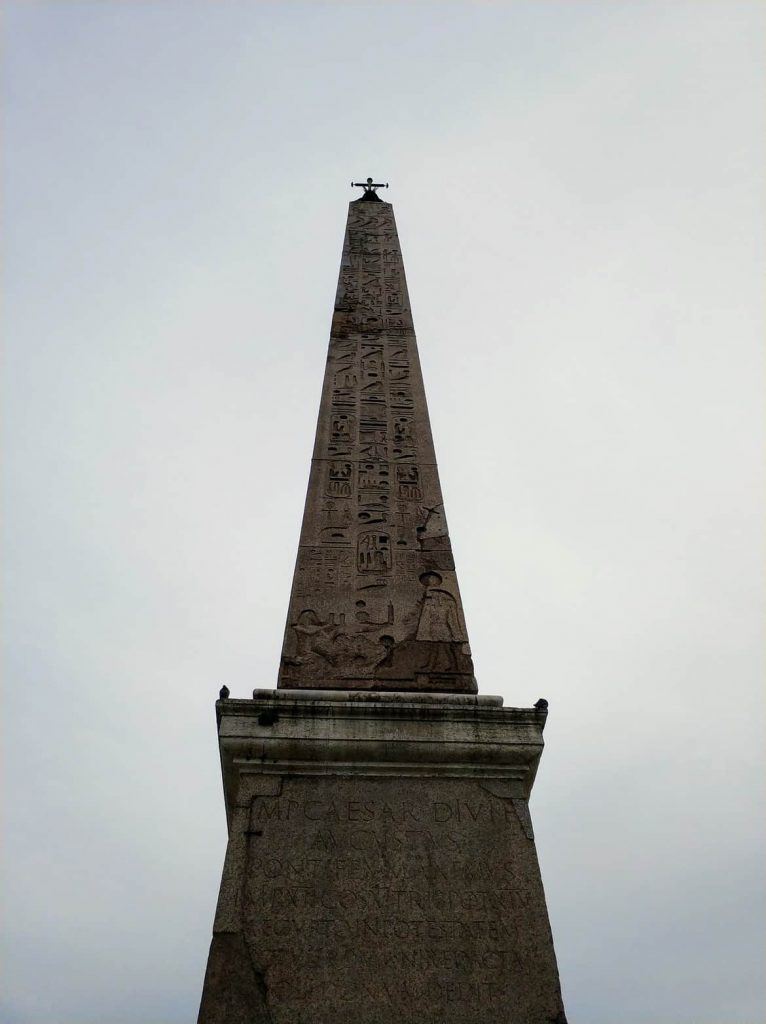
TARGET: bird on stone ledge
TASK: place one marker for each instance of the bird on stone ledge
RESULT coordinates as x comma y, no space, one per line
224,692
541,705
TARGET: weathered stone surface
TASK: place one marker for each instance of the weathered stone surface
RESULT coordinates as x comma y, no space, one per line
375,601
381,867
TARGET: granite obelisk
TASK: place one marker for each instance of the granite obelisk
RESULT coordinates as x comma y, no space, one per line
375,602
381,864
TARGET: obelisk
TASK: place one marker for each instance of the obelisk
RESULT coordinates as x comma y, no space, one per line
381,865
375,603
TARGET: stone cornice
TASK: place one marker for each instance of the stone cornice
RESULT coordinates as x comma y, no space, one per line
385,734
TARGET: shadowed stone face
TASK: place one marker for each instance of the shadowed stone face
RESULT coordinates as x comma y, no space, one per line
381,866
400,900
375,601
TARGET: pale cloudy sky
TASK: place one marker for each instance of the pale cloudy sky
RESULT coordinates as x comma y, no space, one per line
579,188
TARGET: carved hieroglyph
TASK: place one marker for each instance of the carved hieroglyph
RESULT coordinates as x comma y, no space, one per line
375,602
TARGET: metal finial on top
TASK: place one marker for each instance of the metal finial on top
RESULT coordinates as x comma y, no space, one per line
370,187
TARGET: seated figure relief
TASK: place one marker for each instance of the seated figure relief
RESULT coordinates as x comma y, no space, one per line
363,646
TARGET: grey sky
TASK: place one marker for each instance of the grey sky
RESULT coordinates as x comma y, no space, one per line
579,189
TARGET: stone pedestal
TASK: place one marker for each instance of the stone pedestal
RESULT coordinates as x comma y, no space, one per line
381,865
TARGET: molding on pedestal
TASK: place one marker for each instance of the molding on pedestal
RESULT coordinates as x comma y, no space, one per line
358,733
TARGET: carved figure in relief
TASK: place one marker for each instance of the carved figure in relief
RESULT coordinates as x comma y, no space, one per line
339,479
365,646
438,647
408,483
373,552
350,649
312,638
439,619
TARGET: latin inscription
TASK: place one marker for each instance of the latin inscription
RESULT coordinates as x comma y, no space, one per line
409,901
369,810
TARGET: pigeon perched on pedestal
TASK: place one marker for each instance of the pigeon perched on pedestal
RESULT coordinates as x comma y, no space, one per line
541,705
224,692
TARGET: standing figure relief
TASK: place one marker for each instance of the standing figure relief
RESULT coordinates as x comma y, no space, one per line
439,618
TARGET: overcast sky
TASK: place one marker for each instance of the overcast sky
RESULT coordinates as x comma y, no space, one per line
579,188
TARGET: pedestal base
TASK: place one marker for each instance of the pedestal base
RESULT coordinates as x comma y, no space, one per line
381,866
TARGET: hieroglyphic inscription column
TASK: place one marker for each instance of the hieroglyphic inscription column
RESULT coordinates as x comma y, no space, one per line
375,601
